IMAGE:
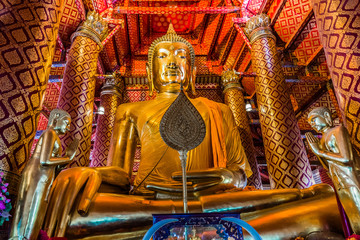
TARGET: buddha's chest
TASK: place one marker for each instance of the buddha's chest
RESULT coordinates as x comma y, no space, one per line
330,143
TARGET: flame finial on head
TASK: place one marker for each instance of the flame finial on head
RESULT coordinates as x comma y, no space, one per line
171,29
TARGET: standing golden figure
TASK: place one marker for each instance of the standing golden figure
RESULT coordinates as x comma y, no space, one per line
336,154
38,176
89,203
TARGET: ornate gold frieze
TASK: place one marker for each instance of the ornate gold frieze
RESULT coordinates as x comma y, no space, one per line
258,27
94,27
113,85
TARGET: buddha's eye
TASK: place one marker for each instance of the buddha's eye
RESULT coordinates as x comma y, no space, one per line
182,56
161,56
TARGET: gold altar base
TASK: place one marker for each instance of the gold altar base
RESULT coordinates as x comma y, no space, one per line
269,223
125,236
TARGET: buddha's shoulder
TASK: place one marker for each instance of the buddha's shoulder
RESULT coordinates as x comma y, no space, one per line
135,106
338,129
210,103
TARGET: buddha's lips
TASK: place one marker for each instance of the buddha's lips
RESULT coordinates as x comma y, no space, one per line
171,73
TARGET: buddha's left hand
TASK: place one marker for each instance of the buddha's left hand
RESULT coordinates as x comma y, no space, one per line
209,180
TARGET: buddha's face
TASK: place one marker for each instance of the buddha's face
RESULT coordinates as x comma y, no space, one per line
171,66
318,122
63,125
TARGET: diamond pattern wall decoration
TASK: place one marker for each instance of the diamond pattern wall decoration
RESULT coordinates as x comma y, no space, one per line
43,122
290,17
306,43
70,20
28,32
51,96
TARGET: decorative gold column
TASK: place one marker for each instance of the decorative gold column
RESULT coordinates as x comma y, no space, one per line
28,32
111,97
234,98
78,87
285,153
339,28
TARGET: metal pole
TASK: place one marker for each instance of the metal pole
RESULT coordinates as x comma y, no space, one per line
183,158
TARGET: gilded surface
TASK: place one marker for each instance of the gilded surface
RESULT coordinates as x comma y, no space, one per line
94,27
285,153
38,175
218,163
258,27
338,26
234,98
337,156
26,55
78,90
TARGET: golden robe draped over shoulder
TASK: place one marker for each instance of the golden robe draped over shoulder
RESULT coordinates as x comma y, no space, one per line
221,146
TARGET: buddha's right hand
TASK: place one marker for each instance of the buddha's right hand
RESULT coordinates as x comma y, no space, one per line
67,187
63,193
314,142
71,149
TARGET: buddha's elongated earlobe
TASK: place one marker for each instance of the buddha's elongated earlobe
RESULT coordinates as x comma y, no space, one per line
150,79
328,118
192,81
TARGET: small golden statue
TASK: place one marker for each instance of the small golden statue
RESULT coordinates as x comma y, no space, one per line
38,176
335,153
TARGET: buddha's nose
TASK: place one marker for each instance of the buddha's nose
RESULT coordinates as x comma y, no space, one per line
172,65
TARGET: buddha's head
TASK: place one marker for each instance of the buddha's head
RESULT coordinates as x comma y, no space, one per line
59,120
320,119
171,60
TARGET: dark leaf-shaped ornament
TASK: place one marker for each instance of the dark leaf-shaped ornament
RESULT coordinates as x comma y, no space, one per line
182,127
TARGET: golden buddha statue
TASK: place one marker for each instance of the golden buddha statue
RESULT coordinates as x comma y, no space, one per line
94,203
38,175
337,156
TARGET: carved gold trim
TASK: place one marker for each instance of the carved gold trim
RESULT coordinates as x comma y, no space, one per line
231,86
111,87
258,27
89,34
230,79
94,27
261,32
